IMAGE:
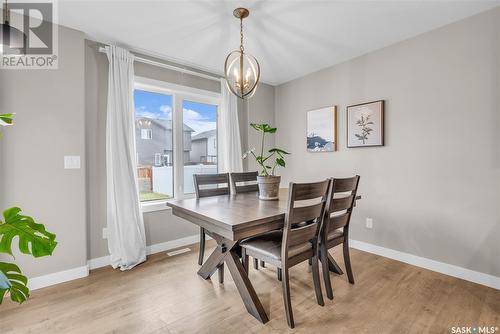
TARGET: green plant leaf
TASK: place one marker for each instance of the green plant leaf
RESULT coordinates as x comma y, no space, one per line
263,128
279,151
269,129
17,283
42,242
6,119
280,162
258,127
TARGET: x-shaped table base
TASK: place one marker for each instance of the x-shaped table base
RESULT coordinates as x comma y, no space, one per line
227,252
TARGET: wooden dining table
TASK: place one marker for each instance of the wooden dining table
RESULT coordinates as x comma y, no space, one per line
231,218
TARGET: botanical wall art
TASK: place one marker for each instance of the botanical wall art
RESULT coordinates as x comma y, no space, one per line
322,130
365,124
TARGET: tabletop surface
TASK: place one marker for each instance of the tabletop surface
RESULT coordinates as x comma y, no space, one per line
234,211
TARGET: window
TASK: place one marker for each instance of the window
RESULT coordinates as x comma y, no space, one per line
146,134
200,141
184,123
154,156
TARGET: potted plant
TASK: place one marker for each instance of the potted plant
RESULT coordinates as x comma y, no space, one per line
269,183
32,239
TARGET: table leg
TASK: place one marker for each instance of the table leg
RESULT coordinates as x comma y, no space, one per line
210,266
227,253
245,288
333,266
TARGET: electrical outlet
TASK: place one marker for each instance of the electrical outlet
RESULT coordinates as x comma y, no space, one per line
71,162
369,223
105,233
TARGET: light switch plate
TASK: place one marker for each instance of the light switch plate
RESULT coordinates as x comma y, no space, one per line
71,162
369,223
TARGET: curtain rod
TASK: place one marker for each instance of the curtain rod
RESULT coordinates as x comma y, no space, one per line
140,59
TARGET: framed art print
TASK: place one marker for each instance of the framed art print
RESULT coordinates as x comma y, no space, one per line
365,124
322,130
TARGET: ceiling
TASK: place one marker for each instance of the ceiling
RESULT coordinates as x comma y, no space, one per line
289,38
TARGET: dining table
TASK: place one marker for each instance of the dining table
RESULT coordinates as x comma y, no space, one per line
229,219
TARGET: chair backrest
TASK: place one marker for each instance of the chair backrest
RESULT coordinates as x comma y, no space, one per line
207,185
342,202
305,212
245,177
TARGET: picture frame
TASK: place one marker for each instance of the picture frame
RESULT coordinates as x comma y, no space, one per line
365,124
321,130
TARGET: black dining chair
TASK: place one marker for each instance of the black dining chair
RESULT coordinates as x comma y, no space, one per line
298,241
207,185
335,229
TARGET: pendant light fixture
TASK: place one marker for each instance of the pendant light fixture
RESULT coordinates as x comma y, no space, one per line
241,70
13,40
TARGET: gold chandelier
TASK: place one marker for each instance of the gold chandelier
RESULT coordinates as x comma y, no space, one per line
242,71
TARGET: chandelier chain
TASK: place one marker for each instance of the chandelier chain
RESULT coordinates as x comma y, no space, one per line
241,35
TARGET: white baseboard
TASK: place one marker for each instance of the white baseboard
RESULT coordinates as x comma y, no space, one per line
153,249
99,262
440,267
168,245
58,277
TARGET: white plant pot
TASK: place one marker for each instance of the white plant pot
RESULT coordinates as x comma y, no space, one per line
269,187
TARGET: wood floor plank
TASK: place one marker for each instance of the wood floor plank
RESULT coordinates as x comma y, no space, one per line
165,295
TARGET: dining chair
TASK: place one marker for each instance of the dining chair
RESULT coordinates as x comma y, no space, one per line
240,184
335,229
296,242
207,185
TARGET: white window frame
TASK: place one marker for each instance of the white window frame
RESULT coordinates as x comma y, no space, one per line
179,93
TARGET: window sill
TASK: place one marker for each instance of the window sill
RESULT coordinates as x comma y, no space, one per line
161,205
153,206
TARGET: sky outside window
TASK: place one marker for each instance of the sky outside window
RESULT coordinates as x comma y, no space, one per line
198,116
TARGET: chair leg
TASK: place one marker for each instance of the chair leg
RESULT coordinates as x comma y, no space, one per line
309,266
221,273
347,262
244,259
326,272
317,283
286,298
262,264
202,246
255,264
278,272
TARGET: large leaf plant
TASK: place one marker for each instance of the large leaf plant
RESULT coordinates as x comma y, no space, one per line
268,161
32,239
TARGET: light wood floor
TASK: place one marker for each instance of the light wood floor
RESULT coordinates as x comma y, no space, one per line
165,295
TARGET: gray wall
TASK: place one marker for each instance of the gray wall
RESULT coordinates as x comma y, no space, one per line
49,107
259,109
434,189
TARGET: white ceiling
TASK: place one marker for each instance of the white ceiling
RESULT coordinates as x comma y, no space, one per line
289,38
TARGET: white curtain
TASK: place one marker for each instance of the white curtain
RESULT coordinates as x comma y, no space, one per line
126,237
230,159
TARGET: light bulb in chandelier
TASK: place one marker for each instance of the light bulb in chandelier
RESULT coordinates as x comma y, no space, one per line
241,70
